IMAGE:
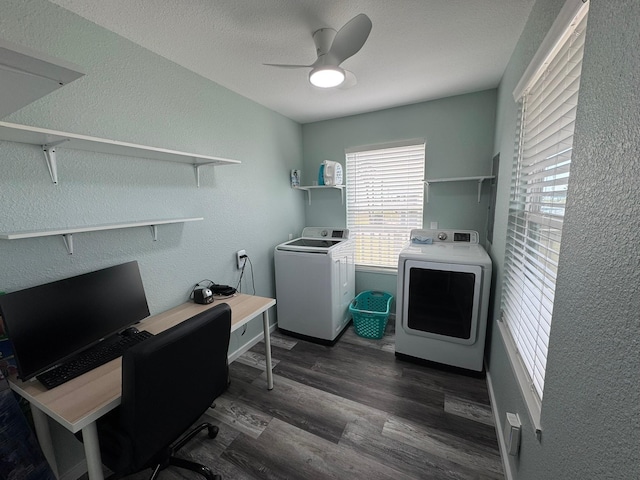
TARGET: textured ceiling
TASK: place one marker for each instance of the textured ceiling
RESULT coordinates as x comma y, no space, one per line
418,50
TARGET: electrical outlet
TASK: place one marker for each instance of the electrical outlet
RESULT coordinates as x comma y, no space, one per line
239,260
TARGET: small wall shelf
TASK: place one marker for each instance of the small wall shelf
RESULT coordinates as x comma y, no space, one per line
67,233
457,179
50,140
318,187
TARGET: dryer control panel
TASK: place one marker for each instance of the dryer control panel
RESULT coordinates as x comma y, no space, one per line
469,237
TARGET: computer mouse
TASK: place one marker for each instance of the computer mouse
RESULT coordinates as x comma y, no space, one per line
130,331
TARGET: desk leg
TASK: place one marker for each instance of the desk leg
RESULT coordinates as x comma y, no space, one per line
41,424
267,348
92,452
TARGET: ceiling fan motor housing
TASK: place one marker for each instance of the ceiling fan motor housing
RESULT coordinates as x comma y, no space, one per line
323,38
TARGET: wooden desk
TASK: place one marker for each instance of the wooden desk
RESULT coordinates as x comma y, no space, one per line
78,403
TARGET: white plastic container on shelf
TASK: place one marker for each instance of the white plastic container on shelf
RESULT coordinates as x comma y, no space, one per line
330,173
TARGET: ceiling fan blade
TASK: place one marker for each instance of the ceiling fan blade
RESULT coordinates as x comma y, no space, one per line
280,65
349,39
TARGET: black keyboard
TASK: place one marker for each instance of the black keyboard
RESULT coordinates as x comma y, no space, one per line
92,358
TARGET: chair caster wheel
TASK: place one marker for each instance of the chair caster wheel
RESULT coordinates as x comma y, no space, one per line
213,431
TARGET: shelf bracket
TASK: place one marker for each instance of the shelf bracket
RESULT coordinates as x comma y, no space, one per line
480,188
68,242
50,158
154,232
49,150
196,168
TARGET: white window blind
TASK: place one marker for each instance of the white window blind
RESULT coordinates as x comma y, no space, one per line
385,195
538,194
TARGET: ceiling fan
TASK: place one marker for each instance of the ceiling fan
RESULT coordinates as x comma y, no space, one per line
333,48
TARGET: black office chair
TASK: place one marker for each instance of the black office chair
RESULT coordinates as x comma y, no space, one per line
168,382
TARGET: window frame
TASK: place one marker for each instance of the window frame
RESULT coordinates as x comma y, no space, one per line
415,191
562,29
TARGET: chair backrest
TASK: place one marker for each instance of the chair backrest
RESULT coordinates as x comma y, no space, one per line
170,380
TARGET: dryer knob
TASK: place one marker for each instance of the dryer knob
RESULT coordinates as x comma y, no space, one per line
324,233
442,236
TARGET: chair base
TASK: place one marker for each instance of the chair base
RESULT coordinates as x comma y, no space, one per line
172,460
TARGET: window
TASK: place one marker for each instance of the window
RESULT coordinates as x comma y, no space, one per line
385,193
547,104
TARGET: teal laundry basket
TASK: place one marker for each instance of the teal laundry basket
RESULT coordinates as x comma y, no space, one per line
370,312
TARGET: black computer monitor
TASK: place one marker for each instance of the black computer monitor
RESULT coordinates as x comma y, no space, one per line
50,323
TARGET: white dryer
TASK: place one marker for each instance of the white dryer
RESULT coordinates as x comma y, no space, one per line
315,283
444,278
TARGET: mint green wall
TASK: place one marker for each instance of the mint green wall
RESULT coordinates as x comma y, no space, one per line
130,94
459,134
591,406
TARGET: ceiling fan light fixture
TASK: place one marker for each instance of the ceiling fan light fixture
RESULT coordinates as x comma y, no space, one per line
327,76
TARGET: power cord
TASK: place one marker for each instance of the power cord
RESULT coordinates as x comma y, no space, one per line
253,281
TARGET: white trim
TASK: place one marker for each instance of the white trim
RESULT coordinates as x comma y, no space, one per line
504,456
382,146
531,400
554,38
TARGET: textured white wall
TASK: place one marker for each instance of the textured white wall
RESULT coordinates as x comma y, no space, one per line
590,412
130,94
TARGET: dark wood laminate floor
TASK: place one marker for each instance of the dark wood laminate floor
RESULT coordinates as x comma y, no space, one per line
351,411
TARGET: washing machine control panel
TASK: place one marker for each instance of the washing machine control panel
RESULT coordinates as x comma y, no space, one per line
323,232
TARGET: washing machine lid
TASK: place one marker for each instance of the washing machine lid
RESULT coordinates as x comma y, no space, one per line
316,240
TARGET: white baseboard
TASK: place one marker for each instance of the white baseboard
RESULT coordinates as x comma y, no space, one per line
506,465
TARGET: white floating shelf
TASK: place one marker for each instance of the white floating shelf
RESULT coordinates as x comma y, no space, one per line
50,140
478,179
321,187
67,233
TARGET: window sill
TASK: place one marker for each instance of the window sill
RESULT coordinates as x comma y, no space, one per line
531,400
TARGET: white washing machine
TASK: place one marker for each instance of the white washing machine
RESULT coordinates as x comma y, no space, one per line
315,283
443,298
